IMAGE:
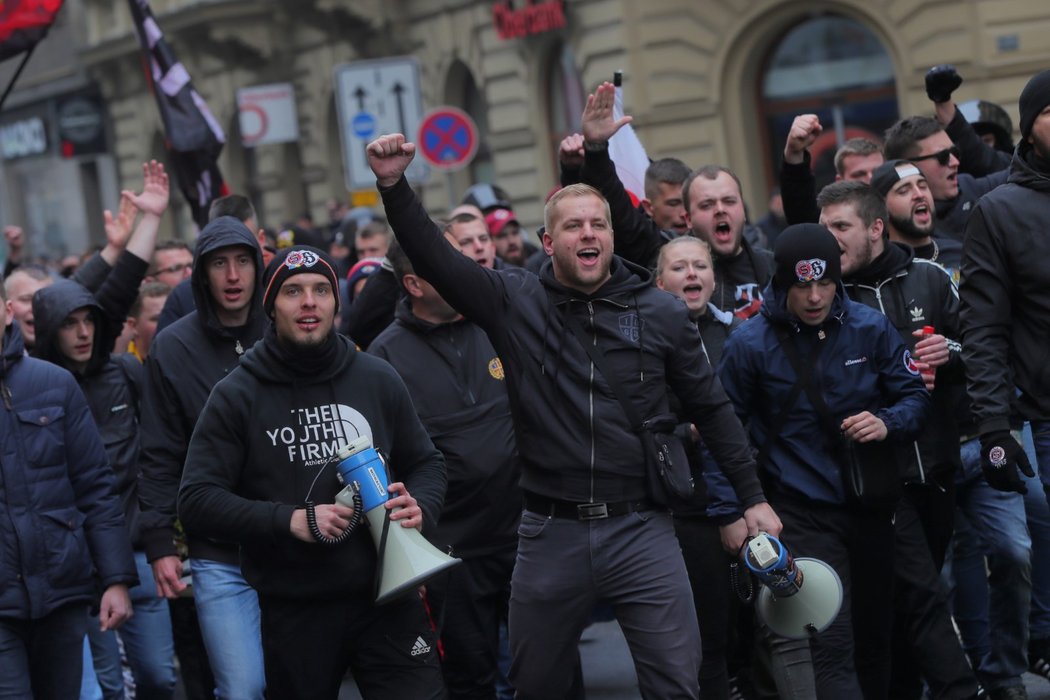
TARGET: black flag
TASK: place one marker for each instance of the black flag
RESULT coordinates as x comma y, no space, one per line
192,136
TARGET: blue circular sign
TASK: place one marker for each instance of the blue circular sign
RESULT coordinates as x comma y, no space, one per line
363,125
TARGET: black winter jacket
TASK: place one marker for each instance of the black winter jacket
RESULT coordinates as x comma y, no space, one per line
61,530
457,385
574,439
111,385
1005,292
261,449
185,362
914,293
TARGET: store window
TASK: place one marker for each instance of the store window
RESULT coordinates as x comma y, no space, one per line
836,68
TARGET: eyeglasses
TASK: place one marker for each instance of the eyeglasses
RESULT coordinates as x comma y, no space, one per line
943,156
172,269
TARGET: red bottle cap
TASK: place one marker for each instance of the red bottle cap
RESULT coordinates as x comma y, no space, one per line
927,330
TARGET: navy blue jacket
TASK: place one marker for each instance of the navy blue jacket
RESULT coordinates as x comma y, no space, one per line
576,441
62,532
865,366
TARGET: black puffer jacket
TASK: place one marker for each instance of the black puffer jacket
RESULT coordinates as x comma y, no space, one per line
575,440
61,530
1005,293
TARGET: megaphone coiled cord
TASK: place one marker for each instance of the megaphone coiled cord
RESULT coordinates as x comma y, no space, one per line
355,520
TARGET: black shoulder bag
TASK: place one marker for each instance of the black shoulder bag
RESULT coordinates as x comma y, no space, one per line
668,478
870,470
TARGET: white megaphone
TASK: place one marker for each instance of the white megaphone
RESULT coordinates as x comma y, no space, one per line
406,559
799,597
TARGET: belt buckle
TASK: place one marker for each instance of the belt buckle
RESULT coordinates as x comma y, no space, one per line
592,511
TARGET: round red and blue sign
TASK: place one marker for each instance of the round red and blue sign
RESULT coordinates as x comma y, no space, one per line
448,138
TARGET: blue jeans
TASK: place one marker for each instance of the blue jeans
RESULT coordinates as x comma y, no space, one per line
42,658
1037,445
147,644
990,524
228,611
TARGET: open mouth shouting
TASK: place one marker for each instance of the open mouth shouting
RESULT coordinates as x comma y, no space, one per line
921,214
588,257
723,233
692,292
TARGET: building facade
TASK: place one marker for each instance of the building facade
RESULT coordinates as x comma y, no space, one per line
708,81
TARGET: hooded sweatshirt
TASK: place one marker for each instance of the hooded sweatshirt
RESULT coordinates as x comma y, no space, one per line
1005,294
265,445
575,440
111,384
185,362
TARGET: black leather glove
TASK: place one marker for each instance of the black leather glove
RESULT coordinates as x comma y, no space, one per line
941,82
1001,457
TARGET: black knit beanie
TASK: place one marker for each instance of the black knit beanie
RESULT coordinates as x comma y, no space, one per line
293,261
1034,98
805,253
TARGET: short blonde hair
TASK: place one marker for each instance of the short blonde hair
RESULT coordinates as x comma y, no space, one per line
665,249
576,190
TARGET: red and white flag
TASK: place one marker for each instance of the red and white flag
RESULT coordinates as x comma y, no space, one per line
628,153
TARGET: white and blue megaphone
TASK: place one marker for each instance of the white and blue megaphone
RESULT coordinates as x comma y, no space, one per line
406,559
799,597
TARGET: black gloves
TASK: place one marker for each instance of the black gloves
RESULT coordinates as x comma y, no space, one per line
941,82
1001,456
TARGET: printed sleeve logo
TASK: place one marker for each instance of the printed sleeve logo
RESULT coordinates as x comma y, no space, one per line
630,326
909,364
810,270
300,258
314,434
496,368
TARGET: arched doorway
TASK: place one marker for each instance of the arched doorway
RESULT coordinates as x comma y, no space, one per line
565,97
832,66
462,91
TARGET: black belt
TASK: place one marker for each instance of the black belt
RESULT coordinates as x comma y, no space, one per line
556,508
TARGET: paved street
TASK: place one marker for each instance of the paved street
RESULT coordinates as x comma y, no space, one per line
609,675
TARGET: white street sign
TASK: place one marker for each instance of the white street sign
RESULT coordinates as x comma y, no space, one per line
373,98
267,114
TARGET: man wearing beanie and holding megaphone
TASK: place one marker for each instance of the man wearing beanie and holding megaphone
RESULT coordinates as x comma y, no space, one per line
264,453
830,390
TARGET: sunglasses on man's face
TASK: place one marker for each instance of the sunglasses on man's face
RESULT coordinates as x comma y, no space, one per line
943,156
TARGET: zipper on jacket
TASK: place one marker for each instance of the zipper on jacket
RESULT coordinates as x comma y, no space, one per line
590,395
882,310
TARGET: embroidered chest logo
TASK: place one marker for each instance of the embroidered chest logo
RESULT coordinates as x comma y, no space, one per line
315,434
916,314
630,326
856,361
496,368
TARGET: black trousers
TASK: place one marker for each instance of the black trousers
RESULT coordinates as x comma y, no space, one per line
851,658
708,567
309,644
470,602
43,658
924,640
